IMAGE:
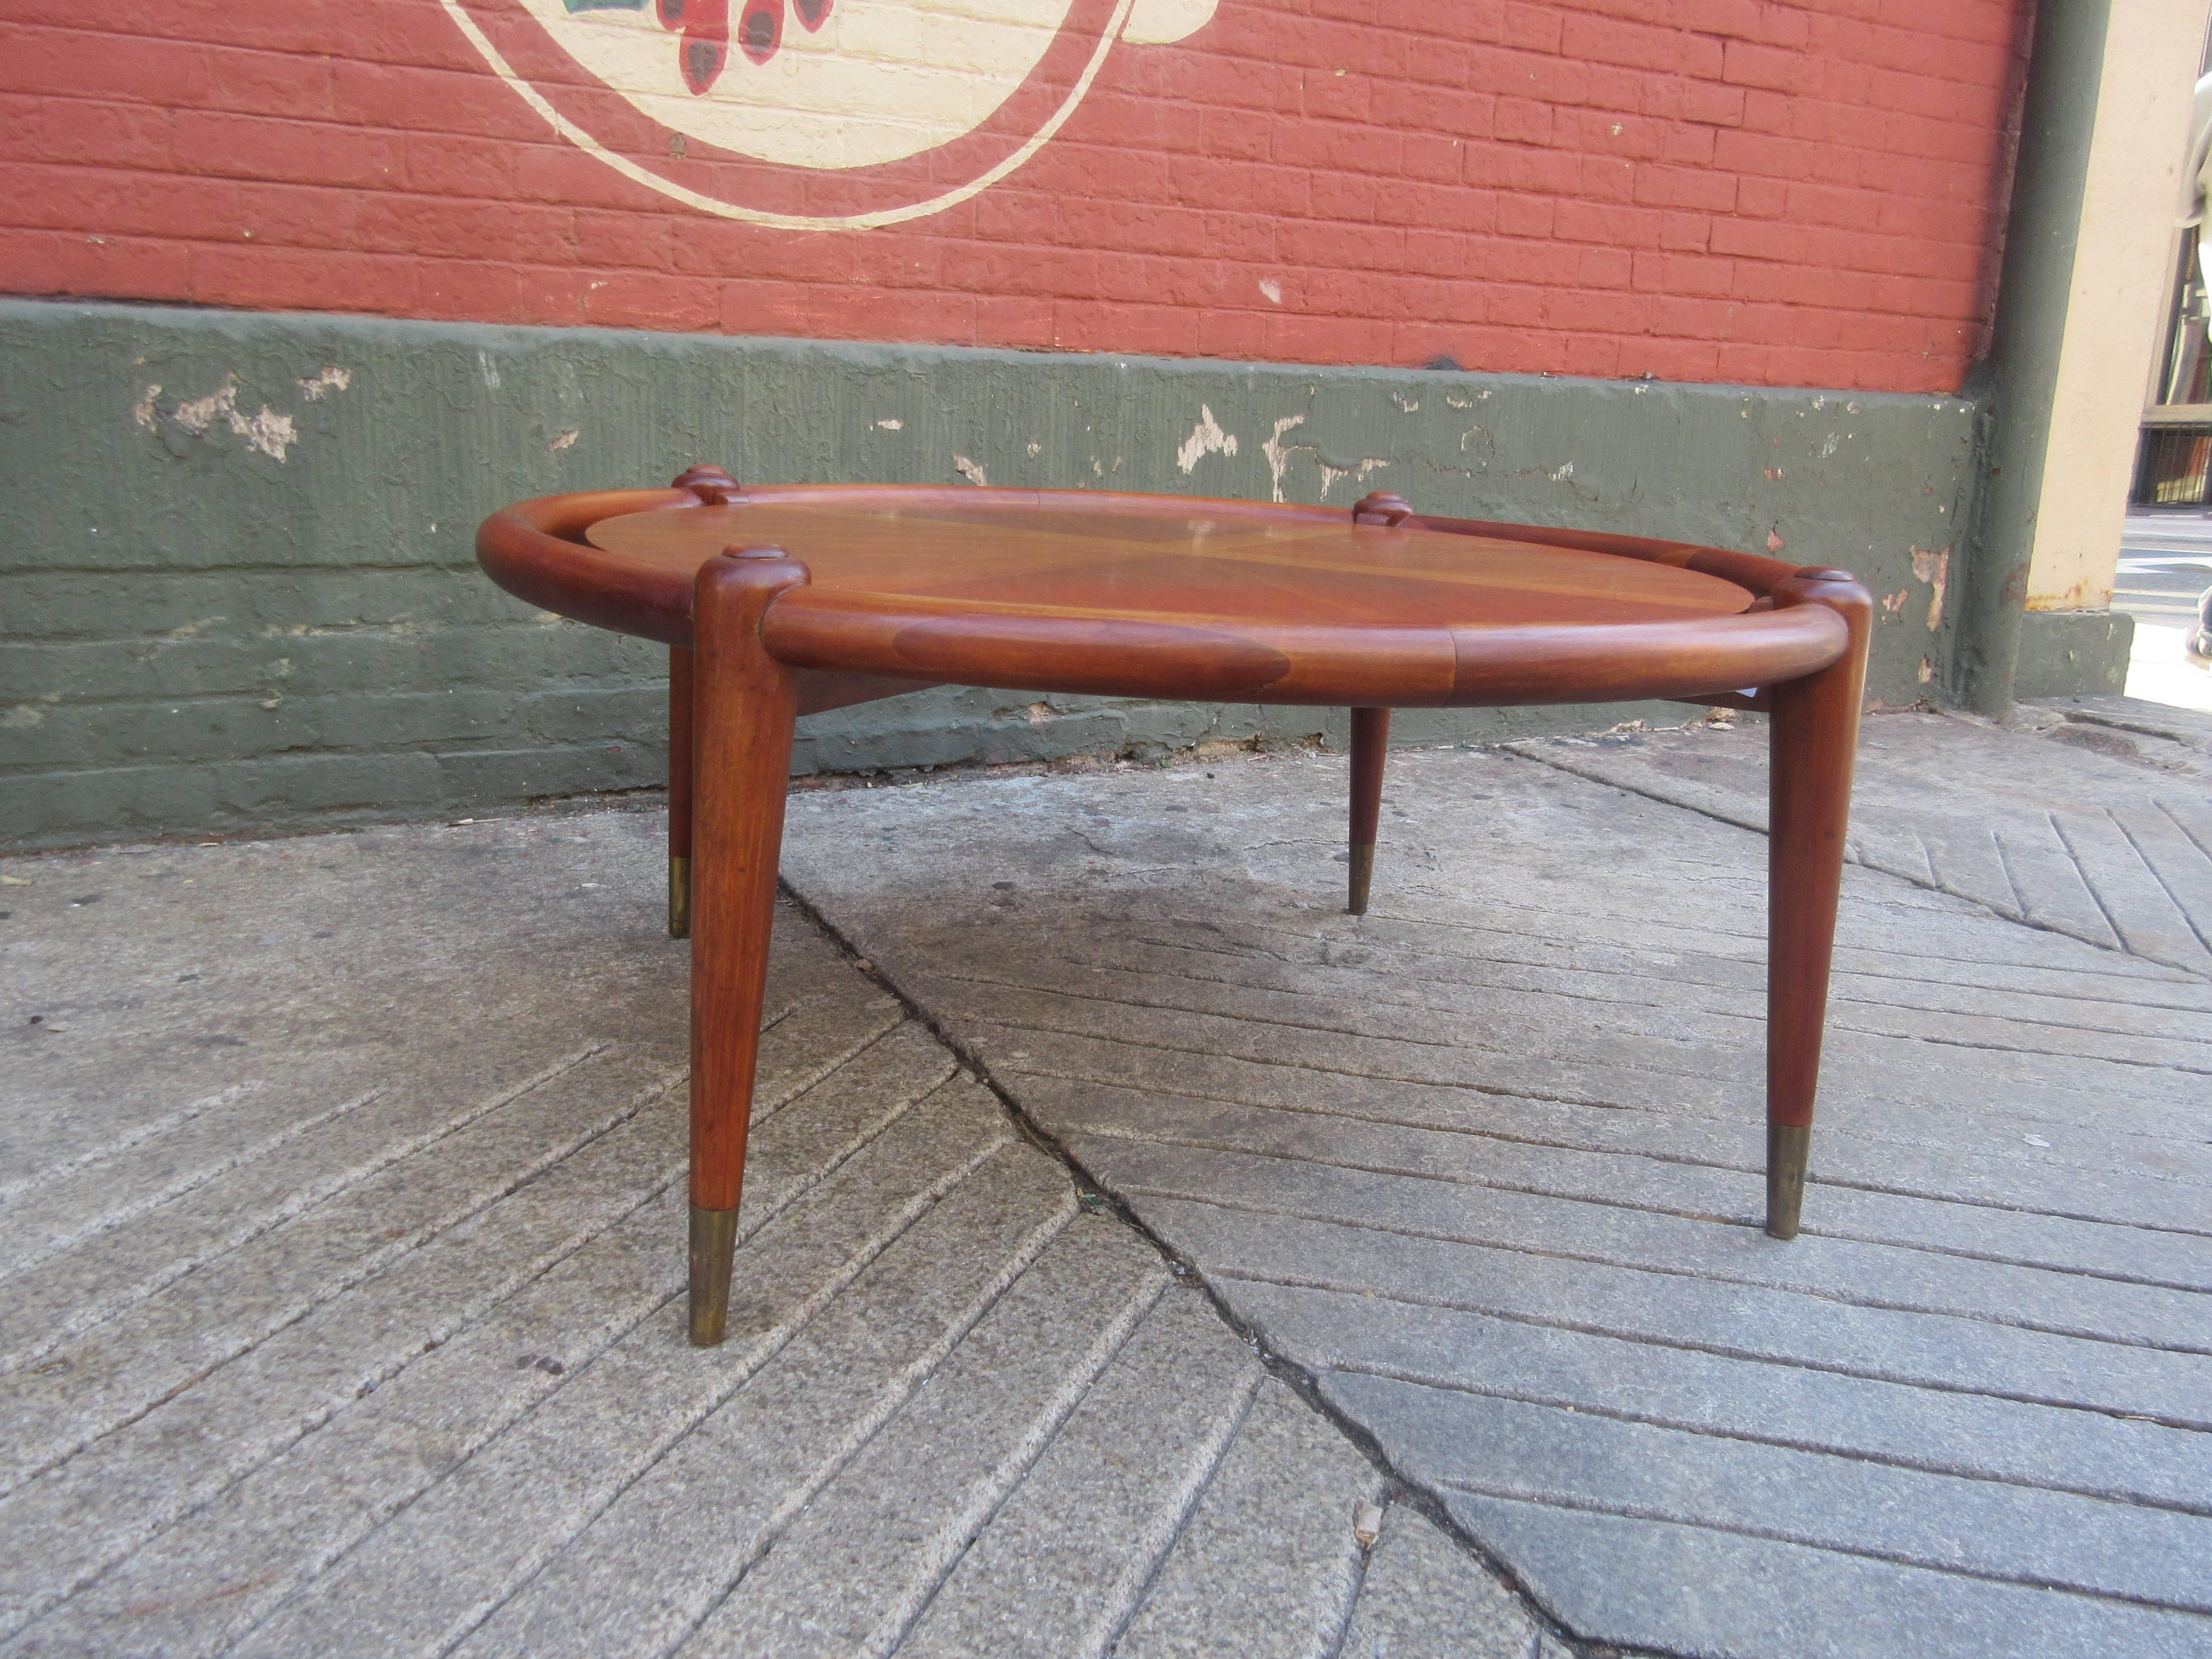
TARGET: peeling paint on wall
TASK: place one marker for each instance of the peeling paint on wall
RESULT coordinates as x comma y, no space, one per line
1358,470
1278,457
1207,438
271,434
1934,569
316,387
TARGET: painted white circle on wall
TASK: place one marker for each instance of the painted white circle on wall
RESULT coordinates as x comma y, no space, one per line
897,108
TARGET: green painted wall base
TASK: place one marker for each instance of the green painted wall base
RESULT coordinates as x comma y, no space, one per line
2066,653
239,592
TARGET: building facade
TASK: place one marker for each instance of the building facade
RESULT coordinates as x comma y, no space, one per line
302,293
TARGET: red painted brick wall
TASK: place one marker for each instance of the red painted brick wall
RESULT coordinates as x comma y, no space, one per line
1700,189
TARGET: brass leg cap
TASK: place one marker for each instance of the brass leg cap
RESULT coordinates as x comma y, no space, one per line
714,1243
680,898
1363,875
1786,1150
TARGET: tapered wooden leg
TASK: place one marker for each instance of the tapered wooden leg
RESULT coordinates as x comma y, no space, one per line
679,792
744,702
1813,738
1370,741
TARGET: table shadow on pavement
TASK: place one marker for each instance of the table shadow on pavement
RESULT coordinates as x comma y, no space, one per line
1485,1163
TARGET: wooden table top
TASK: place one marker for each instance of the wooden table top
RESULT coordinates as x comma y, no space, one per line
1194,563
1092,592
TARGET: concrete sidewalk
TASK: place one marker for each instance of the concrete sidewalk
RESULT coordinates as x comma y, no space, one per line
341,1259
340,1228
1485,1163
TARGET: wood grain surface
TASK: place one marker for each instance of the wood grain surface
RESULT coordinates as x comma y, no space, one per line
1111,594
1172,560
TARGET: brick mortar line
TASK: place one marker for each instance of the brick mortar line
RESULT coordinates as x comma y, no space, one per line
321,820
432,263
554,210
1498,87
1311,159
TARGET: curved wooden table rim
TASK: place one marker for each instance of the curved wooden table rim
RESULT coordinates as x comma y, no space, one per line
742,669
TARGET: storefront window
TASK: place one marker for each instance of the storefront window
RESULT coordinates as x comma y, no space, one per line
2188,377
2173,464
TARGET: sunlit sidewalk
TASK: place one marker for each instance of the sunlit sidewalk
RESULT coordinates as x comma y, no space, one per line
1139,1256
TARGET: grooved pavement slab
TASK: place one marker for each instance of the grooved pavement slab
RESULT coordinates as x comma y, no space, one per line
1485,1163
340,1256
2090,816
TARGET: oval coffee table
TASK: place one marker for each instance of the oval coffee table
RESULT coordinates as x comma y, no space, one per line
785,600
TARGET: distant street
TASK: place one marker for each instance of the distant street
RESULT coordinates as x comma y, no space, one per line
2165,563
